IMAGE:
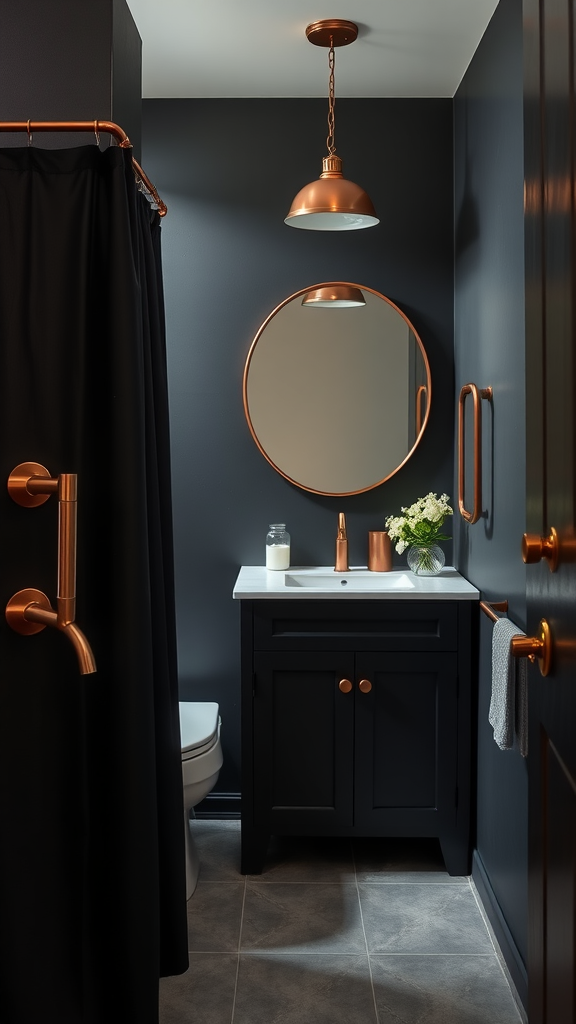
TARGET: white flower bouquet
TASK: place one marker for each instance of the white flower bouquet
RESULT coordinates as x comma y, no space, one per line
420,523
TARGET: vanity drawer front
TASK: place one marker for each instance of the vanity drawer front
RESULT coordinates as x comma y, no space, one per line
355,625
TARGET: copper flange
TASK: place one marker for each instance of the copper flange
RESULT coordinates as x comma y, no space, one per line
535,648
16,608
332,32
18,484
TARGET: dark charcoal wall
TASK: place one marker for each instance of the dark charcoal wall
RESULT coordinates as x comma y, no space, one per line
70,60
489,350
228,170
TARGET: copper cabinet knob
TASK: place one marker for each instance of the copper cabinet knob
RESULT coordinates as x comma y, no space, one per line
365,685
345,685
534,548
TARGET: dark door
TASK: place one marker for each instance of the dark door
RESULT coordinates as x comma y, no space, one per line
303,741
550,364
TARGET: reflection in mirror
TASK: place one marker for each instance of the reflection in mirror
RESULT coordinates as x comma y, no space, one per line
337,398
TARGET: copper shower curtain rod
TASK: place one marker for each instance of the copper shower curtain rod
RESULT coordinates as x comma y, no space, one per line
89,126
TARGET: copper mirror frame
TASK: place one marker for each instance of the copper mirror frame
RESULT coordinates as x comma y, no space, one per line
345,407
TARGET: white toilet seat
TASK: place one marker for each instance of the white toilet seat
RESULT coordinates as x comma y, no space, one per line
203,765
199,722
201,762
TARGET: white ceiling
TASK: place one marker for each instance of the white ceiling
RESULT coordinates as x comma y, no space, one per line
240,48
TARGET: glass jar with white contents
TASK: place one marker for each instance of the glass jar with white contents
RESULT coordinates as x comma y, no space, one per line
277,547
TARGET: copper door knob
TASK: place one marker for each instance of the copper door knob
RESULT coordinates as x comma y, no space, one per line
345,685
534,548
365,685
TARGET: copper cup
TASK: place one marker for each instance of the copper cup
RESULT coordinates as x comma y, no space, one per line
379,551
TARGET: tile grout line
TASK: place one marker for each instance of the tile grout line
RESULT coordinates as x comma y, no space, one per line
376,1018
238,953
323,953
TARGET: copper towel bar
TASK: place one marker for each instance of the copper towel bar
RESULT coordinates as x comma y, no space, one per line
535,648
477,396
491,607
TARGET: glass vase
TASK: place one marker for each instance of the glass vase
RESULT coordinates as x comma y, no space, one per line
426,559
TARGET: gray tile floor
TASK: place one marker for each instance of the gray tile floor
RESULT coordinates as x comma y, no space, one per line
334,932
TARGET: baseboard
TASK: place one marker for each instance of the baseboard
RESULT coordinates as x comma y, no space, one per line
510,952
219,806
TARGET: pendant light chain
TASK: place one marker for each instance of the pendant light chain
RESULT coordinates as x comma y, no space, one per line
331,141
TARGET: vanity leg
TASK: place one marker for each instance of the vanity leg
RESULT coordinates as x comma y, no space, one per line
254,845
456,854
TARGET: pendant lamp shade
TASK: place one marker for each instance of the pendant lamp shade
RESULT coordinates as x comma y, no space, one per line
337,296
332,203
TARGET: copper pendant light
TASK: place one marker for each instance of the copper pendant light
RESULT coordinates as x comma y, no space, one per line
338,296
332,203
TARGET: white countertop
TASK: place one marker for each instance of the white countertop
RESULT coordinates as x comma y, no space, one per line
321,582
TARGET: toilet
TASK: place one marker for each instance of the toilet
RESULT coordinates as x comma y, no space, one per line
201,763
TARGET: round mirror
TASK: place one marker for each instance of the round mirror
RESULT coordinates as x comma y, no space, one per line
337,388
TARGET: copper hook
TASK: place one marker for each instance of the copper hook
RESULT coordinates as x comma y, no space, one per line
29,132
96,133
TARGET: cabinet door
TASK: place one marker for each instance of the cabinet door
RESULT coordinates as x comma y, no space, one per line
406,744
303,742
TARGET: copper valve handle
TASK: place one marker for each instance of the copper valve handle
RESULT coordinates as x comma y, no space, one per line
365,685
534,548
345,685
535,648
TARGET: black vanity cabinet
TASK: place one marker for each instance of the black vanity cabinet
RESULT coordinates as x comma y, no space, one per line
356,720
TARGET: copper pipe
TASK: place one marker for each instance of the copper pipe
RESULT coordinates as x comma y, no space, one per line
69,126
491,607
42,485
421,393
162,208
67,505
33,490
30,611
88,126
477,395
86,661
30,484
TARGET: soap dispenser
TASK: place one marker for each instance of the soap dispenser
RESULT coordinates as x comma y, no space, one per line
341,545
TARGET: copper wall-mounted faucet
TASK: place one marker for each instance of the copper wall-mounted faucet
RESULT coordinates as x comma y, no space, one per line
30,611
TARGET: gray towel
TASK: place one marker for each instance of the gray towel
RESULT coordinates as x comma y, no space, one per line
509,704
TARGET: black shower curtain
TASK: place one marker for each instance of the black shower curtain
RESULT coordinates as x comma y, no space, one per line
92,886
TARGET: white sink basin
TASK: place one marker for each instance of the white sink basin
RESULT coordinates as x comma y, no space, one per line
355,580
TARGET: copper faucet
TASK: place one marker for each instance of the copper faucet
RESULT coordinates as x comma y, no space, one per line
29,611
341,545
